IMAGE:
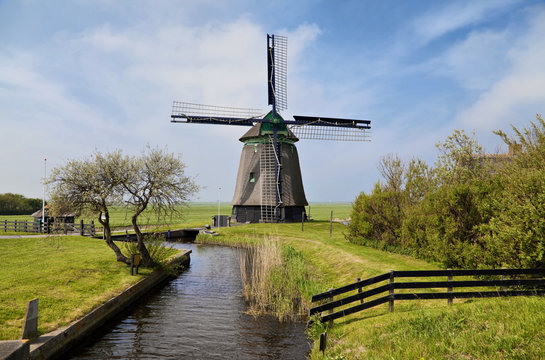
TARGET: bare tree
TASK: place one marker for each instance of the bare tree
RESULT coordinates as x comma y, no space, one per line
154,181
91,186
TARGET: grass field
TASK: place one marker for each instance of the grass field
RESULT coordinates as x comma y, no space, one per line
510,328
70,275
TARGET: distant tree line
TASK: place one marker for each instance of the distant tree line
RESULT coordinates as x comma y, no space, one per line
15,204
468,210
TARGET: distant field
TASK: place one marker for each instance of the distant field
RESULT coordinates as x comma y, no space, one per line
200,213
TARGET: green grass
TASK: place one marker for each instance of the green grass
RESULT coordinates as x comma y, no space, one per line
69,275
322,211
470,329
196,214
503,328
512,328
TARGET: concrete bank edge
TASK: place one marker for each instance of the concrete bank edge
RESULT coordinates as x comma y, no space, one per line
61,340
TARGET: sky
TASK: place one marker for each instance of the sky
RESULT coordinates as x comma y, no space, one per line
99,75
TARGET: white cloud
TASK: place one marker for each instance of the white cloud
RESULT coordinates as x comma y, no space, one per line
510,98
477,61
456,15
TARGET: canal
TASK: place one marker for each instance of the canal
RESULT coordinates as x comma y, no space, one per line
198,315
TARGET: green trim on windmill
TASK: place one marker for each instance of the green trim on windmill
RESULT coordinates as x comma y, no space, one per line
272,121
273,117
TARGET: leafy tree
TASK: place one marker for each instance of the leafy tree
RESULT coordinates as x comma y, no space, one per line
154,181
91,186
516,232
457,162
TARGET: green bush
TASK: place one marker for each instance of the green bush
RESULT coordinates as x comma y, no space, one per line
469,211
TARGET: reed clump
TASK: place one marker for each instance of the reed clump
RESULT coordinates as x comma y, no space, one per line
275,280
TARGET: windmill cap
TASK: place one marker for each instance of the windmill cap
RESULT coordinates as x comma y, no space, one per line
263,130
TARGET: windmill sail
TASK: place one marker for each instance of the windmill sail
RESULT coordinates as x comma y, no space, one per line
277,71
323,128
210,114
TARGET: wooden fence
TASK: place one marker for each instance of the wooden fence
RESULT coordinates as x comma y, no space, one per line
48,227
524,287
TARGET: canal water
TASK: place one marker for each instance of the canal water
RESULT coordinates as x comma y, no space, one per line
198,315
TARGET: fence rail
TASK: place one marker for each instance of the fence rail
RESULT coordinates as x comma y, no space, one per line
48,227
531,286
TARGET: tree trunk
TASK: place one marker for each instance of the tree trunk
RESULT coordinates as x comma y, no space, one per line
108,238
146,258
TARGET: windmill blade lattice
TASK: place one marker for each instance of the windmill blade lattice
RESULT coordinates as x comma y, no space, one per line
277,60
323,128
313,132
210,114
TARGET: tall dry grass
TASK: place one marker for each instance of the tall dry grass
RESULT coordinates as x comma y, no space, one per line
274,279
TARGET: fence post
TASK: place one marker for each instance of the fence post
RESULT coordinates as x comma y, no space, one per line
331,224
359,290
391,292
15,226
503,288
331,310
92,228
26,226
30,322
449,289
5,225
81,230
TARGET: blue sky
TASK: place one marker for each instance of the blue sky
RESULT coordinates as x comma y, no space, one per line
81,75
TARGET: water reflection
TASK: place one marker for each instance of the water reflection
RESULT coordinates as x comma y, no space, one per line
199,315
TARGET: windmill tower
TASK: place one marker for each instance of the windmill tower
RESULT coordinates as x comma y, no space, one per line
269,185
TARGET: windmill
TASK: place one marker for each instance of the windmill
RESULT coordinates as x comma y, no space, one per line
269,185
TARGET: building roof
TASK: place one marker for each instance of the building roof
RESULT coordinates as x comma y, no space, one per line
38,214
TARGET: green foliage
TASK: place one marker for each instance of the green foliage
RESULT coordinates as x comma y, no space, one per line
469,211
376,218
159,251
15,204
516,233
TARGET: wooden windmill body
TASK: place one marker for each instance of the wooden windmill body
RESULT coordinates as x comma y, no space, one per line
269,185
254,199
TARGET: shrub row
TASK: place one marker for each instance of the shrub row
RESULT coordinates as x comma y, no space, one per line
469,210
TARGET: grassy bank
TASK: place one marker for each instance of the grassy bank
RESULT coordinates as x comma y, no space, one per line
472,329
69,275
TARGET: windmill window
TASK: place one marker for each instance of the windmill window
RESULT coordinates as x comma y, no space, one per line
252,177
